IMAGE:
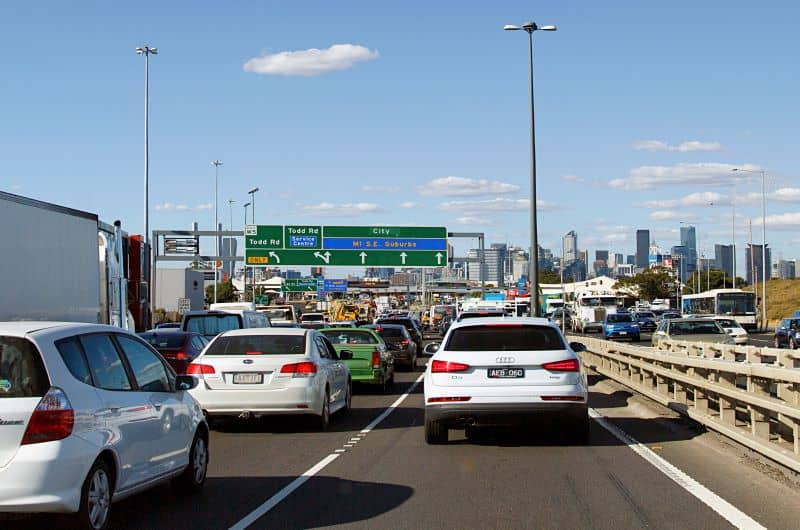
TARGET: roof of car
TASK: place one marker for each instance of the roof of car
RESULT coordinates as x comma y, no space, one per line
24,327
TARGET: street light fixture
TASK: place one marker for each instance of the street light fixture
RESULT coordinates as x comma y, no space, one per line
216,164
147,51
253,201
245,213
533,265
764,319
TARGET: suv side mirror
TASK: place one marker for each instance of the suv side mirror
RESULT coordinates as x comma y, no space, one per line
345,355
185,382
577,347
432,348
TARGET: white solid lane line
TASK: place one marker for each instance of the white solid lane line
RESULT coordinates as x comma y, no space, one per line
273,501
731,513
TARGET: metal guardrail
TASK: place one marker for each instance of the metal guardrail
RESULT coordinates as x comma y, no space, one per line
747,393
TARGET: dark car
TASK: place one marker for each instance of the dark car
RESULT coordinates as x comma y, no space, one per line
168,325
561,318
645,319
179,348
399,342
787,333
314,324
669,315
412,325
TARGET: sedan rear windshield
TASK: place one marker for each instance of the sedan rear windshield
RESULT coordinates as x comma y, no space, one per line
259,345
695,328
164,341
212,325
517,337
390,333
350,337
22,373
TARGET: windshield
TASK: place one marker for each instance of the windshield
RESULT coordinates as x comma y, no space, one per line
164,341
505,338
645,314
350,337
736,304
619,317
212,325
700,327
259,345
312,317
278,313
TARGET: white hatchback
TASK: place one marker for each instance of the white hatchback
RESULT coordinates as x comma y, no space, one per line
90,414
272,371
491,371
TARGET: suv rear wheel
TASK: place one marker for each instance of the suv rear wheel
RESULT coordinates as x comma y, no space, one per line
435,432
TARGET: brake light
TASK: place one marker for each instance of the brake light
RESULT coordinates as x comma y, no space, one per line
568,365
404,342
303,369
200,369
438,367
181,356
376,360
448,399
52,419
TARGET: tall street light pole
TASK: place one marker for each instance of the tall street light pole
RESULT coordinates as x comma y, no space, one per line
533,265
245,262
147,51
764,319
253,202
216,164
245,213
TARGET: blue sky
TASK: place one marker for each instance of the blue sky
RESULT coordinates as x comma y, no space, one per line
641,112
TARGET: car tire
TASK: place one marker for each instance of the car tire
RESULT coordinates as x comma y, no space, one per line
793,343
323,420
637,338
777,343
193,477
435,432
348,399
95,506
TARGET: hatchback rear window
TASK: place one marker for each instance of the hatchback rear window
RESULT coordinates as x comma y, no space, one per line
505,338
390,333
350,337
258,345
22,372
164,341
212,325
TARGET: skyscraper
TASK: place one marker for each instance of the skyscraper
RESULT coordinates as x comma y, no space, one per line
570,242
754,260
642,248
723,258
689,240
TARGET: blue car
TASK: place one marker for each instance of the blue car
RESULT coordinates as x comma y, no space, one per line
621,326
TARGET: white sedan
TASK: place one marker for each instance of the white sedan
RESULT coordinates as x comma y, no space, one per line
734,329
89,415
272,371
491,371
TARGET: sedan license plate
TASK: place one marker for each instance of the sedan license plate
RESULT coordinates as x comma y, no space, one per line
506,373
248,379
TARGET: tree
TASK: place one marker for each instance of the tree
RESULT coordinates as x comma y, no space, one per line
226,292
713,279
649,284
548,276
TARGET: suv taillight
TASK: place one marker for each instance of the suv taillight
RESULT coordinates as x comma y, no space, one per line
52,419
438,367
568,365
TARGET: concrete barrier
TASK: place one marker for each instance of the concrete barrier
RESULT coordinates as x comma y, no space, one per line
747,393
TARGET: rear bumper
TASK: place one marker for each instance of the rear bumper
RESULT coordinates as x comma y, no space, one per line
622,334
284,401
502,414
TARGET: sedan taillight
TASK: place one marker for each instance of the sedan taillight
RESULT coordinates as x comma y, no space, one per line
200,369
303,369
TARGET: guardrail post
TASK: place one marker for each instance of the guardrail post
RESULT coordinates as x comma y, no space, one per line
700,394
759,418
727,406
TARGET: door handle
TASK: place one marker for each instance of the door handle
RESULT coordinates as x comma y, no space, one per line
114,409
157,406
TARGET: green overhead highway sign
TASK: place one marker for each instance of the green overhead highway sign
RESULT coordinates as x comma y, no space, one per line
346,258
300,285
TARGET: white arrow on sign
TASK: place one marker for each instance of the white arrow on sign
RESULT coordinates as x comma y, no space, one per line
275,257
438,258
363,257
403,257
324,257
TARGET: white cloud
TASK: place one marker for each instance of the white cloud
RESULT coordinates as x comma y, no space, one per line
469,220
684,147
408,205
573,178
327,209
380,189
616,237
779,195
498,205
784,221
310,62
206,206
171,207
461,187
668,215
705,198
647,177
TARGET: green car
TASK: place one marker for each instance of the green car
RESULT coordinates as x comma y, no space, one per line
372,362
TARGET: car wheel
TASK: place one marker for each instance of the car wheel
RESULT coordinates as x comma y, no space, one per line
324,419
95,505
435,432
348,399
793,343
194,476
637,338
777,342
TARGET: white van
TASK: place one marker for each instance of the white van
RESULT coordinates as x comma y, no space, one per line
227,306
213,322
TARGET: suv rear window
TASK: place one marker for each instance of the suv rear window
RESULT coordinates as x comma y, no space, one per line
390,333
22,372
258,345
518,337
212,325
164,341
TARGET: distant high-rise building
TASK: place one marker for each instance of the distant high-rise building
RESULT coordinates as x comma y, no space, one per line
753,257
494,264
787,269
601,255
630,259
642,248
570,243
689,240
682,254
723,259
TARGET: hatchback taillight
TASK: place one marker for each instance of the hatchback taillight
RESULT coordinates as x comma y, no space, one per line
404,342
52,419
304,369
567,365
200,369
376,360
438,367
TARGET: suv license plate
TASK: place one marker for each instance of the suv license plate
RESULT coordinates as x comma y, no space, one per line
506,373
248,379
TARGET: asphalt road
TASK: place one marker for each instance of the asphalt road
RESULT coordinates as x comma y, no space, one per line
389,477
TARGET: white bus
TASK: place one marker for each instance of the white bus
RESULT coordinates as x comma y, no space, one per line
591,309
735,303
